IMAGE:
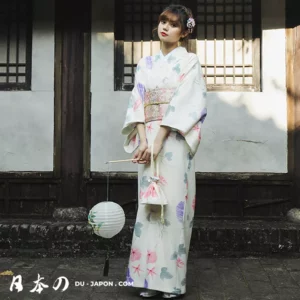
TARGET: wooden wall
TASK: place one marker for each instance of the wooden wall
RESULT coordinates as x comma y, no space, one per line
221,195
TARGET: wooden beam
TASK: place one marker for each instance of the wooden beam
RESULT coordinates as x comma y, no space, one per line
73,20
296,70
57,98
290,92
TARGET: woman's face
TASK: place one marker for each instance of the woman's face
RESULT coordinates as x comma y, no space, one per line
169,30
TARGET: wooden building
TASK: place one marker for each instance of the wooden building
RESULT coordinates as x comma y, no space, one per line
66,71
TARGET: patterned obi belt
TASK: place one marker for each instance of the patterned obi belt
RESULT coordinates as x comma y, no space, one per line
156,102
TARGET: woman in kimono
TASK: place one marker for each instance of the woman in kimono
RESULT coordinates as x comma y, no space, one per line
166,110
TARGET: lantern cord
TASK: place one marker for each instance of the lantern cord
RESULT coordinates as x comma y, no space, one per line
106,263
107,183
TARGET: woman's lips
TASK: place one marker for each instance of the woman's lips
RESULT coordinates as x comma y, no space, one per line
163,34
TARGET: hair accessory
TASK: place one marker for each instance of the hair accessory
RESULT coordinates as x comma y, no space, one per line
190,24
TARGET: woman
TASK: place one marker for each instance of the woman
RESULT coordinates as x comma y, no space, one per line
166,111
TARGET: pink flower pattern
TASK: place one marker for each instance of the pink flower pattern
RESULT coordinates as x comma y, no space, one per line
151,272
149,128
150,192
137,269
162,180
151,257
141,194
196,127
135,254
194,203
181,77
137,103
179,262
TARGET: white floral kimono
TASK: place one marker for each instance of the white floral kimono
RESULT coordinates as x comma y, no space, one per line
169,90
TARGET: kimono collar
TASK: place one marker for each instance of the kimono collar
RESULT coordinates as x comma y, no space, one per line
177,52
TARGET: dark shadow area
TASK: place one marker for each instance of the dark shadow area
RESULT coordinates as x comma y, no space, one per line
292,13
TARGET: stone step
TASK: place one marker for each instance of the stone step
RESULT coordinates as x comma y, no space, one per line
210,237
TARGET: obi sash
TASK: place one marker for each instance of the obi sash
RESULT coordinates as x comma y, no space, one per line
156,102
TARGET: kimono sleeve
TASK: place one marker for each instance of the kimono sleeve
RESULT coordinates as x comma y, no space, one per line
135,110
187,109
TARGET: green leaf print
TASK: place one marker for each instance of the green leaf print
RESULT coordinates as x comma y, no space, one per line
164,274
189,157
185,178
157,57
148,217
181,249
174,256
91,217
131,102
137,229
167,222
177,69
144,182
171,58
183,282
99,225
169,155
170,109
176,291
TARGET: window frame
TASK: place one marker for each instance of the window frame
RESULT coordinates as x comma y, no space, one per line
24,86
119,65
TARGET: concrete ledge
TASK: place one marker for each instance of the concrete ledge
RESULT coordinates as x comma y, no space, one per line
48,238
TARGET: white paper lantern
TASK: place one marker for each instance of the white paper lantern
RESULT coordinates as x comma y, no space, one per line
107,219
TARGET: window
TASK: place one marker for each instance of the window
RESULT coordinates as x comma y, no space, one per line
226,39
228,34
15,44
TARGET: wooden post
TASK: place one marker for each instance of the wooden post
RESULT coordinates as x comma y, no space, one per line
72,23
296,69
293,93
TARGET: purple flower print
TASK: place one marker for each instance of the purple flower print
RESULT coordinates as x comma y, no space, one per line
145,284
203,115
141,89
128,277
149,62
179,211
185,178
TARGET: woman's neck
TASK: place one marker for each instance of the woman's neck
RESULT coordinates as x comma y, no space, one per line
167,48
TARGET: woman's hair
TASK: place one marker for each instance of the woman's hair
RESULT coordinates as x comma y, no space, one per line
181,12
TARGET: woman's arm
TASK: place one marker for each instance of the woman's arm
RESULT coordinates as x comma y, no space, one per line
143,146
162,135
141,131
157,144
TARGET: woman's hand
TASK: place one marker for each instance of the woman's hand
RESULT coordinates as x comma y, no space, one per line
140,152
157,146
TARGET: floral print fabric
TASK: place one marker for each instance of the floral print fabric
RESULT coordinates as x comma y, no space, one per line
159,252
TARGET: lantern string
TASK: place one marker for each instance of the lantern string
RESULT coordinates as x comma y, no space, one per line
107,183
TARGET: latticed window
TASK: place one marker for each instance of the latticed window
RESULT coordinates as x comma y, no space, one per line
227,40
15,44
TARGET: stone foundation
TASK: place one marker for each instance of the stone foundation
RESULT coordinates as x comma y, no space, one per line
49,238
